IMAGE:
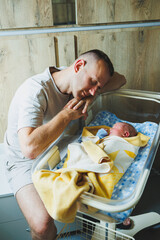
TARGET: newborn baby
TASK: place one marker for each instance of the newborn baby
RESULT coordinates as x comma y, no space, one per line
92,155
120,129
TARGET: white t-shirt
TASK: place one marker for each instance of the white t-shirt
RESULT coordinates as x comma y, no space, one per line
35,102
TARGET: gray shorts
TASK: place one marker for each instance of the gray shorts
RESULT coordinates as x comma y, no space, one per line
19,175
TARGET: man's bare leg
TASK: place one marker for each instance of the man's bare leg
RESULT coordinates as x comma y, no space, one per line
41,224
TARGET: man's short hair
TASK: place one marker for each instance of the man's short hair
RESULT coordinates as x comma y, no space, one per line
98,54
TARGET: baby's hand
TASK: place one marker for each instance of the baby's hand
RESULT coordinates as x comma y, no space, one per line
102,133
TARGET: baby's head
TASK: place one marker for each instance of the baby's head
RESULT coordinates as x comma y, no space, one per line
122,129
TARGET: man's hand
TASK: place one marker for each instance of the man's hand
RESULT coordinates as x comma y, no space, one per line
75,104
75,113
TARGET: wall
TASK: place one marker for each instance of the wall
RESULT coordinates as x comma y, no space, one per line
103,11
36,13
23,14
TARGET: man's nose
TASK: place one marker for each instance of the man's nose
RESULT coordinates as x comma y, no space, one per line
93,90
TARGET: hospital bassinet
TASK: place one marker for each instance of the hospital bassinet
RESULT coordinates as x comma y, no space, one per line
136,107
89,229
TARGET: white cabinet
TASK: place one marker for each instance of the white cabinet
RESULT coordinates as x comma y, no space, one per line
9,209
15,230
13,225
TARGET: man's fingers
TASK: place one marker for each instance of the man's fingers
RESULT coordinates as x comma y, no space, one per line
78,105
75,104
72,103
85,107
85,115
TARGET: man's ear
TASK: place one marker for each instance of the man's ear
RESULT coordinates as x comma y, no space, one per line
79,64
126,134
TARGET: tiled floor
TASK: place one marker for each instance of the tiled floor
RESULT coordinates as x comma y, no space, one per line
149,202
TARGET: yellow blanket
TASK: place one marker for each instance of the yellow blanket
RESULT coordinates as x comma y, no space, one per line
60,190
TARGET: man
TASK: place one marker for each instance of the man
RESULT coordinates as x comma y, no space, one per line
41,109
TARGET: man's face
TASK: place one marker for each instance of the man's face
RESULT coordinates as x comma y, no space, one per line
90,78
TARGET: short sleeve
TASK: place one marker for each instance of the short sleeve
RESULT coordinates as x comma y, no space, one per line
32,107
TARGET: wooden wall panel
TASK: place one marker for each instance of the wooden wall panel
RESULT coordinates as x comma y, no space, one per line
66,50
30,13
107,11
19,59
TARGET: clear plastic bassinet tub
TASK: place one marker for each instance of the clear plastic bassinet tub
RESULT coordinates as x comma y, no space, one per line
140,108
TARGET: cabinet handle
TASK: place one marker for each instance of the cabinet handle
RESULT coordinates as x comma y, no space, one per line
28,229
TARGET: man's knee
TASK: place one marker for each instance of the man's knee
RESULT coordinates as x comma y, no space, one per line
44,229
41,224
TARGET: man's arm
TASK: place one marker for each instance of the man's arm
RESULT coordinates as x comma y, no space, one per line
34,141
115,82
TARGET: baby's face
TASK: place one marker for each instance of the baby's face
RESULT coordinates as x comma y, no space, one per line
118,129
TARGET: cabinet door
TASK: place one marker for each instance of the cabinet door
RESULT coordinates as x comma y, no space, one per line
15,230
9,209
